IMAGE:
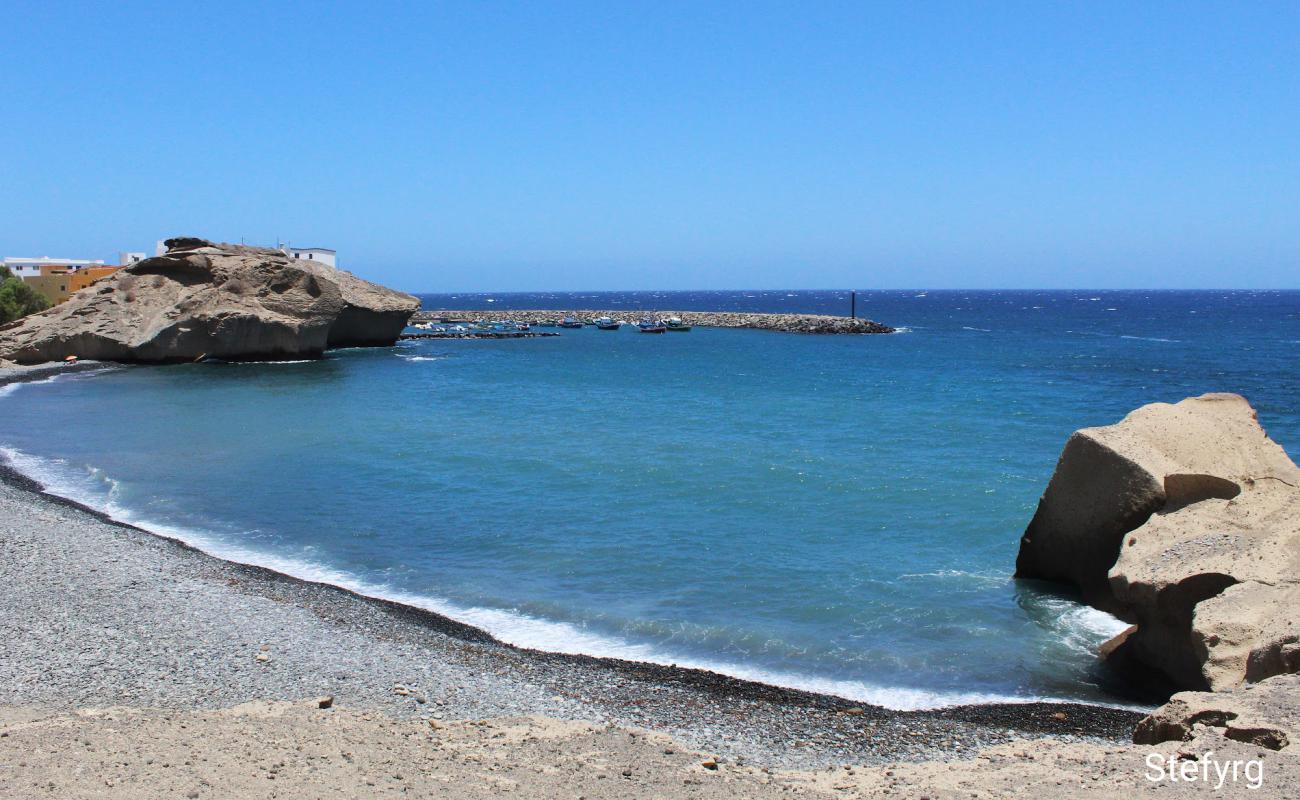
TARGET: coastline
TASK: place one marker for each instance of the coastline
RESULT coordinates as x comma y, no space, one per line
117,642
741,718
464,623
724,715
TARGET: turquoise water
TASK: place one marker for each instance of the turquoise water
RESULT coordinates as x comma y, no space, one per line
833,513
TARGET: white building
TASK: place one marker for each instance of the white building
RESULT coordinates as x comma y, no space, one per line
31,267
127,259
321,254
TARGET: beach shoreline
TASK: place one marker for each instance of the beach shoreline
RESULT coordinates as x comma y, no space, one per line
820,715
118,642
608,689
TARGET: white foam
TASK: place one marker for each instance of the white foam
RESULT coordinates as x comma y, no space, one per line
9,388
977,577
1150,339
509,626
276,363
423,358
1083,628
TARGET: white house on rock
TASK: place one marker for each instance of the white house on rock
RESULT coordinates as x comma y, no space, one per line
321,254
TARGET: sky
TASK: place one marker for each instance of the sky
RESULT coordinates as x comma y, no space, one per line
480,146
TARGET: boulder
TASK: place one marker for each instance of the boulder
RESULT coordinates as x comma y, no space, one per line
216,300
1265,714
1184,519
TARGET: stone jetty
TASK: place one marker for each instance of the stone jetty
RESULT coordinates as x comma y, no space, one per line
788,323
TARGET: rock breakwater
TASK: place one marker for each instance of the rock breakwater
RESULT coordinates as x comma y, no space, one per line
786,323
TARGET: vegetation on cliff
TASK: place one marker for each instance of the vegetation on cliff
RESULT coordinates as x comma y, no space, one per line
17,299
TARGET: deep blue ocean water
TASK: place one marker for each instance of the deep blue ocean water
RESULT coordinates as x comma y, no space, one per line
833,513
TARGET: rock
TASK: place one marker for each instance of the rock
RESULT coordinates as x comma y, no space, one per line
325,701
709,763
1185,519
789,323
262,657
1265,714
222,301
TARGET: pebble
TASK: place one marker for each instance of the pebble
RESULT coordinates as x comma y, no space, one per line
151,599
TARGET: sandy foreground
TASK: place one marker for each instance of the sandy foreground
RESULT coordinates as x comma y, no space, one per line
133,666
291,750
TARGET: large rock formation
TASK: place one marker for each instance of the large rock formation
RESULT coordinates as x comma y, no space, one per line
217,300
1184,519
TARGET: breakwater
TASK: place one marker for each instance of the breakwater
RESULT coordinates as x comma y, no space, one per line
788,323
476,335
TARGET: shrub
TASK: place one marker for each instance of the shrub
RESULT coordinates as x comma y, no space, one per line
17,299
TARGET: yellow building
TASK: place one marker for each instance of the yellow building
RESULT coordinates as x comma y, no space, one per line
57,284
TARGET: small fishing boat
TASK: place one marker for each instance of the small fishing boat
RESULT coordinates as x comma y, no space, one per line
648,325
570,322
676,324
607,324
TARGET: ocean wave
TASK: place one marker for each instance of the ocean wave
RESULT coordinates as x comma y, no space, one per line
276,363
981,330
422,358
1150,339
9,388
1081,628
977,577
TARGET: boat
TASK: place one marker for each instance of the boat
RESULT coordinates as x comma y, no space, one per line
570,322
648,325
676,324
607,324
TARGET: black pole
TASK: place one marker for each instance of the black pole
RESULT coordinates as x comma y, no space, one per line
853,305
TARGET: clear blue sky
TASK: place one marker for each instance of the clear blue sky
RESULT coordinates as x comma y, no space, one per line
485,146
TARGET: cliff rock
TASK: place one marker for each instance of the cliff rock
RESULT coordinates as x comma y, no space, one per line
1184,519
217,300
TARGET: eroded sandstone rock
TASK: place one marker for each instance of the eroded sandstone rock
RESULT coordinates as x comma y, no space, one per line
215,300
1185,519
1265,714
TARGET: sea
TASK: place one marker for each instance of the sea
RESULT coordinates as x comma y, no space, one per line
839,514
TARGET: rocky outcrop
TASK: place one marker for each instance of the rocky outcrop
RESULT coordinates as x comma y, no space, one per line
1265,714
1184,519
215,300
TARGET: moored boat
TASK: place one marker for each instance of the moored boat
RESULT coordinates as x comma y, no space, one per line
607,324
648,325
676,324
570,322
